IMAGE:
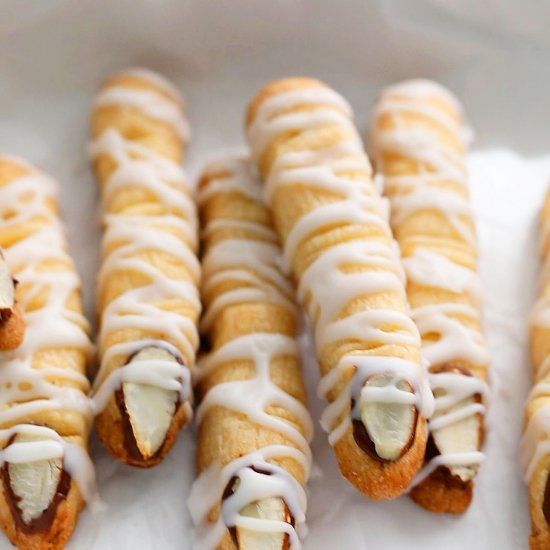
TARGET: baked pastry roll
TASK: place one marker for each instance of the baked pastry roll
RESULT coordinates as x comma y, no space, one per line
535,445
147,295
253,456
337,240
45,414
418,143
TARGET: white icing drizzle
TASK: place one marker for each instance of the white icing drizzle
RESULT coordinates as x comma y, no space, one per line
438,162
169,375
456,340
325,287
156,175
456,388
229,177
26,390
252,261
126,235
253,396
237,262
267,124
150,103
362,368
419,90
415,193
429,268
157,80
210,485
216,225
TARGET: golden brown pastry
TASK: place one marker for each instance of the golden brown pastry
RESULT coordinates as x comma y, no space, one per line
253,456
12,324
147,295
417,137
337,241
535,445
45,414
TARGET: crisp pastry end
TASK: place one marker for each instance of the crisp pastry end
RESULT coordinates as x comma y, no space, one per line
443,492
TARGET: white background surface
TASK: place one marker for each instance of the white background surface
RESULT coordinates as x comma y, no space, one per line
493,55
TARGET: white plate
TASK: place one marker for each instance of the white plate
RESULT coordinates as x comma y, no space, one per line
54,54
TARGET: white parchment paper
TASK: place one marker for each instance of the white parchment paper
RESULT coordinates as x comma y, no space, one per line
493,55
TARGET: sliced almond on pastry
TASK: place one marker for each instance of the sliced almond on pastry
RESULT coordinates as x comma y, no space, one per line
150,409
273,508
390,425
36,487
7,292
462,436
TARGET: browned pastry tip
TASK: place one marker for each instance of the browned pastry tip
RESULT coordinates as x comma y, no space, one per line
380,480
12,324
115,431
51,535
12,330
443,492
50,530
